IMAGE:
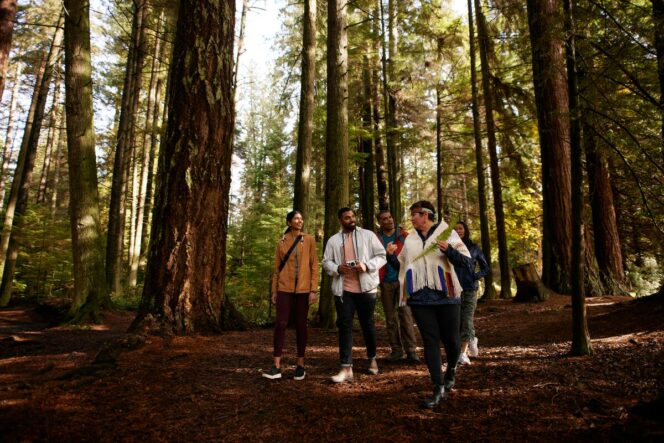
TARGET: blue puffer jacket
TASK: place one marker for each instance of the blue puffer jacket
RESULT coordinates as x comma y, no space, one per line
465,267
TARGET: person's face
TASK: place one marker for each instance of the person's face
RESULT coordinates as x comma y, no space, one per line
296,222
386,221
348,220
419,219
460,230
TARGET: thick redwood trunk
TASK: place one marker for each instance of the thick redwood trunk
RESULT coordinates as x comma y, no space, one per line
184,284
544,19
87,244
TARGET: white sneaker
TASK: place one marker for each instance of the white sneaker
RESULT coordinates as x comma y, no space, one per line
343,376
472,348
463,359
373,366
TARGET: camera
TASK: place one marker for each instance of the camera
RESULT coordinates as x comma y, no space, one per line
352,263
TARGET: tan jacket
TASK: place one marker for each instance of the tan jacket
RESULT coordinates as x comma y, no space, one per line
307,265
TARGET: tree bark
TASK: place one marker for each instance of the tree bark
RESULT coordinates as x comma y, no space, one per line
379,157
50,140
439,151
391,113
336,140
62,143
7,19
87,243
306,121
580,336
489,290
116,212
144,161
529,286
496,186
553,123
605,225
366,172
8,147
184,283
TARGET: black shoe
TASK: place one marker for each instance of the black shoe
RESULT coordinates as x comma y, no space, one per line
413,358
439,394
448,380
273,374
394,356
300,373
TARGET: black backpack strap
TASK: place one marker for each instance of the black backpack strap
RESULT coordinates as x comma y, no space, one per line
290,250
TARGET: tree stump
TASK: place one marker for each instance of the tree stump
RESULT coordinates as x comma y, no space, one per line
529,286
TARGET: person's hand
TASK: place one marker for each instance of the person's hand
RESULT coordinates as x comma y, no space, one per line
273,299
312,297
443,245
390,248
345,269
360,267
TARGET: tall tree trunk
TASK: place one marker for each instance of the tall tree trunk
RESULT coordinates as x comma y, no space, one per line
366,172
7,149
155,141
7,19
391,116
544,20
240,44
580,336
605,224
440,195
18,198
184,283
116,212
379,157
87,243
658,22
50,139
57,158
336,139
144,162
503,253
306,121
489,290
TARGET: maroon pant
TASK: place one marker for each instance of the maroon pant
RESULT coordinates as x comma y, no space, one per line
284,302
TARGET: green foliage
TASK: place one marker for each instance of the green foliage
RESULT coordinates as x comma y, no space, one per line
44,266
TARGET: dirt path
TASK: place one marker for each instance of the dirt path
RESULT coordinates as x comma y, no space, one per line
521,387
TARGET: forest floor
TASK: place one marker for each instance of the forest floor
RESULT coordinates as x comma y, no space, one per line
523,386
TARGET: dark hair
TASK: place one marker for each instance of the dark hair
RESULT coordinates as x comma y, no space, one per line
425,204
466,232
290,217
343,210
381,212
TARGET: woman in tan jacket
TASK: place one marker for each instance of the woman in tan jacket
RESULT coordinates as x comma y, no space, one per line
294,281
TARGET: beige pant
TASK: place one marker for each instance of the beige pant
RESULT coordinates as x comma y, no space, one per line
400,331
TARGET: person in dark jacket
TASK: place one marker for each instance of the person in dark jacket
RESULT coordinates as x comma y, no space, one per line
469,297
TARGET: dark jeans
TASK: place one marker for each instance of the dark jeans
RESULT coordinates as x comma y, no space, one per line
346,305
438,323
284,301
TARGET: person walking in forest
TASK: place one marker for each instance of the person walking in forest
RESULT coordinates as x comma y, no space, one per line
428,266
294,281
399,319
469,294
352,258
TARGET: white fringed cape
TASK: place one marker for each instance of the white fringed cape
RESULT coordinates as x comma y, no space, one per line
433,270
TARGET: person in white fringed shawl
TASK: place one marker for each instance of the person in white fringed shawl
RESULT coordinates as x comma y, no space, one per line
429,264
